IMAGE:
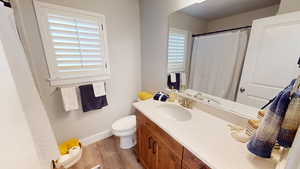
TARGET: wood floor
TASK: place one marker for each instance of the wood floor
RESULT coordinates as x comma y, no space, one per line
108,154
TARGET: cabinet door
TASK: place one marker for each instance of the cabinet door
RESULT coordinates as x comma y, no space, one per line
195,167
166,159
184,167
205,167
190,161
146,154
199,167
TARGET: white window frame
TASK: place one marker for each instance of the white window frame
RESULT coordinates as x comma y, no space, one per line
41,13
186,34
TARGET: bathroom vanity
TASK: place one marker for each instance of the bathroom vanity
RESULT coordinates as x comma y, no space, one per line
158,150
189,139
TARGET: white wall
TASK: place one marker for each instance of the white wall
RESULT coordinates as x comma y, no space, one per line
243,19
17,146
43,136
183,21
123,25
196,25
289,6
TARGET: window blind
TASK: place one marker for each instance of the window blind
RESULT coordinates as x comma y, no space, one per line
77,46
177,51
74,43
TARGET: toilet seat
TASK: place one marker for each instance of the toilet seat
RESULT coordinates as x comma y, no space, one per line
124,126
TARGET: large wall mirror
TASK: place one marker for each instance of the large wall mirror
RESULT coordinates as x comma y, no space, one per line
208,43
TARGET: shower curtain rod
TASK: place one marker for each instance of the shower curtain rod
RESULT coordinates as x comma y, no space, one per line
209,33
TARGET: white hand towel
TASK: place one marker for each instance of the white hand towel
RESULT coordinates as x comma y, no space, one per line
99,89
70,99
173,77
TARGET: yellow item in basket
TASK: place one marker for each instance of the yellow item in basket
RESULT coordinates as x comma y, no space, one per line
145,95
73,142
66,146
63,149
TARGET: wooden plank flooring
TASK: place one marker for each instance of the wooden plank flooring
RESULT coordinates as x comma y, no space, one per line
108,154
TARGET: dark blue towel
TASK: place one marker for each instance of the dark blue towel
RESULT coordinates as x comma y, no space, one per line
89,101
175,85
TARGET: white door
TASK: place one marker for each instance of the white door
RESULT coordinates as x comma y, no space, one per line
271,60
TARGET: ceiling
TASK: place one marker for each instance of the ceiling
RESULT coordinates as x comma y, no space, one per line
214,9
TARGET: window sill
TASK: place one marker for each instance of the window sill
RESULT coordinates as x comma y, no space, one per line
77,81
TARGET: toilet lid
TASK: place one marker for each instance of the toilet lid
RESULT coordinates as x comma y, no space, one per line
125,123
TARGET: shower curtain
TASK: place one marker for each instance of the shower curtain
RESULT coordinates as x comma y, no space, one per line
217,62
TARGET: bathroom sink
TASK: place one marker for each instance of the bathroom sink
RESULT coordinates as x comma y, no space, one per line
174,112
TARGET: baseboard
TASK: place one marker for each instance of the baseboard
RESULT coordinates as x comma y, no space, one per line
97,137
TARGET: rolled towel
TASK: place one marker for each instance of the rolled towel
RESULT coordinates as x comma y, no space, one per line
160,96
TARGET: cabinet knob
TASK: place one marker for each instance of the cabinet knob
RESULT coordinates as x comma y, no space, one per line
242,90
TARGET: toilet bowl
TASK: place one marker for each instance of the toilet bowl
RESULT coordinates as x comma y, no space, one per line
125,128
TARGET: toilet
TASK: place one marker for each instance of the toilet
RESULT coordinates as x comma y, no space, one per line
125,128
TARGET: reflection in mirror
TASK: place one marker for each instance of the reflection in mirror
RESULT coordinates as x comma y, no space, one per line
208,43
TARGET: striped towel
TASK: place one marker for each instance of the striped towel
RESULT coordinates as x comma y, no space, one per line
280,123
291,122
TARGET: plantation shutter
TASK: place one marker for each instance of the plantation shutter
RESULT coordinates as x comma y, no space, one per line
75,45
177,50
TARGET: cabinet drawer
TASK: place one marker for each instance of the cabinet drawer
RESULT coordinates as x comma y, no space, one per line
190,161
163,137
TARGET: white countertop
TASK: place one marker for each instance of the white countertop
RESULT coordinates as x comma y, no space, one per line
208,138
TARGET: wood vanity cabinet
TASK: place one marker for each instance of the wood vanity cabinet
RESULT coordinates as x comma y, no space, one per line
147,149
157,150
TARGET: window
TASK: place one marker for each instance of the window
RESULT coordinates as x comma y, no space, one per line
177,50
75,44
